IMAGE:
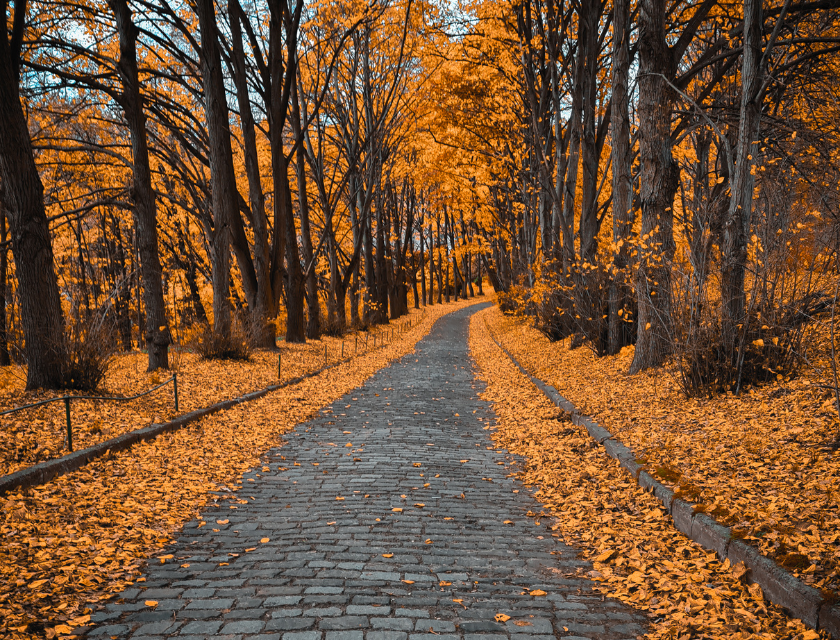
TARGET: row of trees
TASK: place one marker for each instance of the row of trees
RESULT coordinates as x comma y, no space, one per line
262,157
664,173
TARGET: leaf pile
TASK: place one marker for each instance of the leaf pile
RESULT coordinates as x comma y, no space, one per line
638,557
81,538
35,435
756,462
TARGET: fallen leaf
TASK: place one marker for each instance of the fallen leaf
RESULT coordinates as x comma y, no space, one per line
605,556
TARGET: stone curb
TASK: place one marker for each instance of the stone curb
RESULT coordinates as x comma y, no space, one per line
778,585
46,471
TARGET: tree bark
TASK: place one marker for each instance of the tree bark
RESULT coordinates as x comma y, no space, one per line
622,198
422,264
222,180
5,360
145,207
40,306
736,226
658,184
261,311
313,325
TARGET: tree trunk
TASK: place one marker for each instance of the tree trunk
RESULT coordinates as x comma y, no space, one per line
414,288
431,250
145,208
575,136
422,265
261,311
5,360
222,181
295,326
658,184
40,306
622,200
736,226
588,227
313,326
479,277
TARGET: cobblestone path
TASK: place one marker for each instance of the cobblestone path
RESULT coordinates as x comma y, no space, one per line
388,517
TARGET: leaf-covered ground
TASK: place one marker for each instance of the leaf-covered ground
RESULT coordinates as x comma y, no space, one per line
81,538
757,462
38,434
638,556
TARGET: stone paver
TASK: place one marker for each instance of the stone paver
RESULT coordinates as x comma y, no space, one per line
385,518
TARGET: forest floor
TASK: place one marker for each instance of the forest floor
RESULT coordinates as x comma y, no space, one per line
82,537
38,434
760,463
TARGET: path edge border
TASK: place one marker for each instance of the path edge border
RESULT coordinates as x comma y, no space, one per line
43,472
779,586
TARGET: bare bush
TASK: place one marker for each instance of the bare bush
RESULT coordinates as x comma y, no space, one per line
90,347
210,345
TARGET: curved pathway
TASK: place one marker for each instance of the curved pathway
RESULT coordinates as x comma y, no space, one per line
389,517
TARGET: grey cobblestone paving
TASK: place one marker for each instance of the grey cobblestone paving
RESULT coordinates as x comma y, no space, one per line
412,438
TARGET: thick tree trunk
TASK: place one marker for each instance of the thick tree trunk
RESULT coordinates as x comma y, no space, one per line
145,208
622,200
736,226
23,196
279,173
658,184
5,360
224,199
263,329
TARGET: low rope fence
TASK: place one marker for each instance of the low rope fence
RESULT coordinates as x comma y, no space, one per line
68,399
387,335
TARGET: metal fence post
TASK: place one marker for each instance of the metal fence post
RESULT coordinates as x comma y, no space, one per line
280,364
342,349
175,389
69,425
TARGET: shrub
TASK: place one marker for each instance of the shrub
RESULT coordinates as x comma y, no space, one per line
769,346
210,345
89,351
